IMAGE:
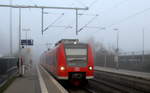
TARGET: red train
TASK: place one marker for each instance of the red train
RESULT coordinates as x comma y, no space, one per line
70,60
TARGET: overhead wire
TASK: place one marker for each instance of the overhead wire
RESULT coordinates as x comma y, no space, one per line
130,16
53,22
87,23
104,12
79,2
127,18
111,8
63,26
87,14
117,4
90,5
93,3
52,13
93,27
114,6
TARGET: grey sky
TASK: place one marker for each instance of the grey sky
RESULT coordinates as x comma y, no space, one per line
116,12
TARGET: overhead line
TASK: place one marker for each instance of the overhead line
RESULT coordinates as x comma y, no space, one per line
79,2
130,16
93,18
87,24
127,18
61,26
87,14
114,6
93,27
90,6
93,3
53,22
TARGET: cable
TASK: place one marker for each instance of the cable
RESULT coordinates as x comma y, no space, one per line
96,27
92,3
114,6
127,18
130,16
87,14
79,2
61,26
52,13
53,22
87,23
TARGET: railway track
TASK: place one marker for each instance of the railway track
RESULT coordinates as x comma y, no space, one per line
106,82
116,83
78,90
75,89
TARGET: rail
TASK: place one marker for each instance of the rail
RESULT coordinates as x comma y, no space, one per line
117,83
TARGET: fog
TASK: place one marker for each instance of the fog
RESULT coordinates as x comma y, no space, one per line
130,17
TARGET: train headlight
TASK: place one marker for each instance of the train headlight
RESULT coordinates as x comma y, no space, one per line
90,68
75,42
62,68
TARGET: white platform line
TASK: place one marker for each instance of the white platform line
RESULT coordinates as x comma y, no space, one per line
42,84
55,82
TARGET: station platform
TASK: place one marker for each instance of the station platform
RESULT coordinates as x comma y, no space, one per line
27,84
135,74
35,80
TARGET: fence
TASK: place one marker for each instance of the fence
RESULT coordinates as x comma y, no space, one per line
7,66
130,62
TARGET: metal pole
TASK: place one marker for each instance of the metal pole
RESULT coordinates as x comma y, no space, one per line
76,22
105,60
117,40
10,28
48,7
26,40
19,30
42,19
143,45
117,49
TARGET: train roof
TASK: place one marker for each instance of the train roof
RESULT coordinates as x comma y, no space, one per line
67,41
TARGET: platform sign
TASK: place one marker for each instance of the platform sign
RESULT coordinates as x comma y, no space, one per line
27,42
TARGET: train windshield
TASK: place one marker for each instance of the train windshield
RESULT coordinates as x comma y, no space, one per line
76,52
76,55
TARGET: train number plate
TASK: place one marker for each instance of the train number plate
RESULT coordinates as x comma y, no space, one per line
77,69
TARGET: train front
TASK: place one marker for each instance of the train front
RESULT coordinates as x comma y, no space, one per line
79,63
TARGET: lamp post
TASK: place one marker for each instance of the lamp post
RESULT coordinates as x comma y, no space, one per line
10,27
19,30
117,49
76,22
143,45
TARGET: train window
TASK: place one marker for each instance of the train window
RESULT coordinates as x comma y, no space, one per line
76,56
76,51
